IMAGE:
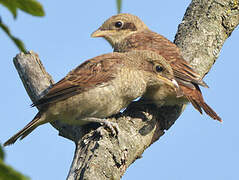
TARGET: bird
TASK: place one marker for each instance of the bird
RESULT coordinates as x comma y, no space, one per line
101,87
126,32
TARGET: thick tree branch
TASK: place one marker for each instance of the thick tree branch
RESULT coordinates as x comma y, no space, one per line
204,29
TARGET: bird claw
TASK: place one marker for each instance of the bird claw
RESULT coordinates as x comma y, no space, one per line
112,126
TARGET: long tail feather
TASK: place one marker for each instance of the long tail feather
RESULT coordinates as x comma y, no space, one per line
210,111
196,98
38,120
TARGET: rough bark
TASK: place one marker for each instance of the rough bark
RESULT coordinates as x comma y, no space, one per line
205,27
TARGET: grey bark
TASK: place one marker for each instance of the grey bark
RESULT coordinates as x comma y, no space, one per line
205,27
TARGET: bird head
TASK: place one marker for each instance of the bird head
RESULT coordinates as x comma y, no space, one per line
157,69
118,27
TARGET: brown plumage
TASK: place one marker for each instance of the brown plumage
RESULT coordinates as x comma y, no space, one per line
126,32
101,87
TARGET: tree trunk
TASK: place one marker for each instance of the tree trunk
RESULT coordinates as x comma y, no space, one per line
205,27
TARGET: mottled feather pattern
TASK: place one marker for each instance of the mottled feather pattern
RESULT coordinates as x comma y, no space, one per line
183,72
91,73
143,38
148,40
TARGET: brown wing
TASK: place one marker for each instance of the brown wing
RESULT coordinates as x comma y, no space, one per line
155,42
91,73
187,78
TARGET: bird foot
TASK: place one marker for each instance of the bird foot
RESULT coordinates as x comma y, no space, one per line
113,127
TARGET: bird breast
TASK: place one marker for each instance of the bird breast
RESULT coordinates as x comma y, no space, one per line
163,95
101,101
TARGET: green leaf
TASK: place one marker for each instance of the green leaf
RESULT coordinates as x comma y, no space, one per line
119,5
11,5
16,41
1,153
31,6
8,173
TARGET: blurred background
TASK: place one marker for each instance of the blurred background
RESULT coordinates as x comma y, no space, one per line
195,147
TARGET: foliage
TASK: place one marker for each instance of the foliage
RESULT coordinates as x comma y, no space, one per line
1,153
119,5
7,172
33,8
29,6
17,41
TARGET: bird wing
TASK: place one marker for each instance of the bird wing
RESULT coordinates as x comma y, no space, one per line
89,74
148,40
185,75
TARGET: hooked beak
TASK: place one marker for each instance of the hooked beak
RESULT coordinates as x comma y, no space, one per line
98,33
179,92
173,83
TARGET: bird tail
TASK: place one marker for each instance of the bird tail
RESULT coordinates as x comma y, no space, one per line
38,120
196,98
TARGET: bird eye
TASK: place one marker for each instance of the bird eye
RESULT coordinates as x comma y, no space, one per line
118,24
159,68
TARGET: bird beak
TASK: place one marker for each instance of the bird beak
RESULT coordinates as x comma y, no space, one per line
98,33
173,83
179,92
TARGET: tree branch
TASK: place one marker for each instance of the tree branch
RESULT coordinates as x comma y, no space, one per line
205,27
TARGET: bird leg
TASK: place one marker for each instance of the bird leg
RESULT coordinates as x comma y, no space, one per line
112,126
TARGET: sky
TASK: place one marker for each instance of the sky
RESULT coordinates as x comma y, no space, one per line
195,147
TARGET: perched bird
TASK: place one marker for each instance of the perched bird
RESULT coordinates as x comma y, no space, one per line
126,32
101,87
